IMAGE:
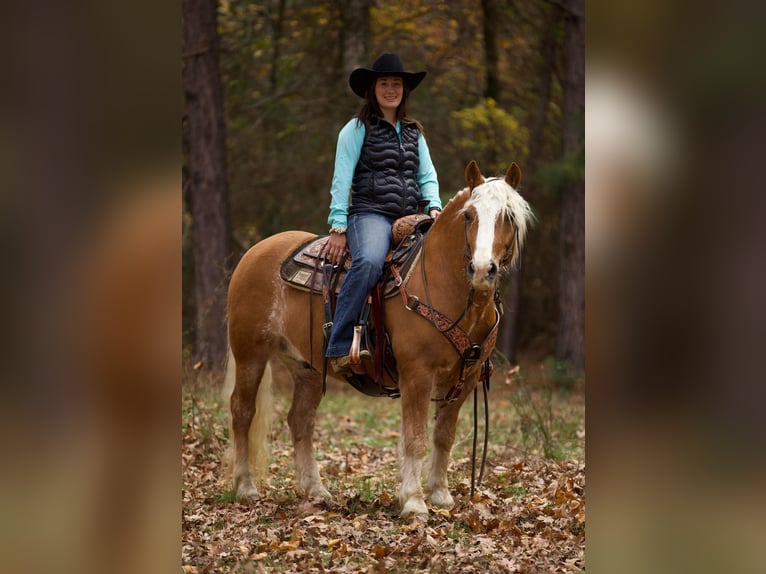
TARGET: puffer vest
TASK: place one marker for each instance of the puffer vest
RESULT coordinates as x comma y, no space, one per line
385,179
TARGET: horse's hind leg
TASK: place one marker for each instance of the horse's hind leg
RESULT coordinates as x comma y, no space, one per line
243,408
307,395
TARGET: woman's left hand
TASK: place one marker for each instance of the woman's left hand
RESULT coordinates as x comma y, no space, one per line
434,213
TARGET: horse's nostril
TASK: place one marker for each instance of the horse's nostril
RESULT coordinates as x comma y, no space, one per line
492,269
471,268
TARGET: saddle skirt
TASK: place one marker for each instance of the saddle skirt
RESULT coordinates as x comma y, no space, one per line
303,268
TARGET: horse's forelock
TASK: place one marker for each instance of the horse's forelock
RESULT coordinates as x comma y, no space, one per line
459,198
510,205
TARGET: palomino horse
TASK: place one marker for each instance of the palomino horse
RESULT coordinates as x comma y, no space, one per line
479,234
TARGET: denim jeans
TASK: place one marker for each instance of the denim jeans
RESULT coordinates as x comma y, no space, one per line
368,236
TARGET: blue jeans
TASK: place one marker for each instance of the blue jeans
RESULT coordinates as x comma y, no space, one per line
369,239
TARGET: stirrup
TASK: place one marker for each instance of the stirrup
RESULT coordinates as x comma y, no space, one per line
356,353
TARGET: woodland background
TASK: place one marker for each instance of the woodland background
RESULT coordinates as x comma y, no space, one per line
92,101
266,91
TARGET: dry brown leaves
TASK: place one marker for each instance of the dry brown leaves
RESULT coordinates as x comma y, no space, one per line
528,516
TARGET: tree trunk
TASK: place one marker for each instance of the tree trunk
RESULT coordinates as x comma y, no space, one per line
207,182
354,38
547,66
570,342
489,27
277,21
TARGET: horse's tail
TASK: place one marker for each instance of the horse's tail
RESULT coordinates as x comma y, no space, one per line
257,439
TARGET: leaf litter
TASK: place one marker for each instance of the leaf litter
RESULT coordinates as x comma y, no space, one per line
528,516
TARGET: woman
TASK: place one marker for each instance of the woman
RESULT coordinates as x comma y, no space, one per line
383,159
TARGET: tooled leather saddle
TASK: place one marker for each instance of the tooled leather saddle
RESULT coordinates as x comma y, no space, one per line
301,271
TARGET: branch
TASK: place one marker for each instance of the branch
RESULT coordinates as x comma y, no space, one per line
196,52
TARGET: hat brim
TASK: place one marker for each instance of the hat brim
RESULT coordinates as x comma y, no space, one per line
361,78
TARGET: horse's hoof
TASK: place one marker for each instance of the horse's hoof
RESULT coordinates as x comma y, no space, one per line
442,498
319,491
247,490
414,507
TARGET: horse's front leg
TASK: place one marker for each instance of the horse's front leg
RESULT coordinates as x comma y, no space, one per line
416,395
444,438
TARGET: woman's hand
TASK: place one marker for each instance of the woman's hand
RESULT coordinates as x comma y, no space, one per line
434,213
335,247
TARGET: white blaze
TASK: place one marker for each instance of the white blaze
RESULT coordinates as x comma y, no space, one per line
486,213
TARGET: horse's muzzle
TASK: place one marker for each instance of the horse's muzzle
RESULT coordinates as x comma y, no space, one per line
482,276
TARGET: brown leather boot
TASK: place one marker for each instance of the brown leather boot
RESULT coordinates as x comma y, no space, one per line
342,365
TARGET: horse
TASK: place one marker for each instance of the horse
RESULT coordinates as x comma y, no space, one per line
478,237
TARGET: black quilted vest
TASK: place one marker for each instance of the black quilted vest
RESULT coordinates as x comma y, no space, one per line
385,179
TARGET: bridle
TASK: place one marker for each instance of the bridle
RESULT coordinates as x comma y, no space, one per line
469,351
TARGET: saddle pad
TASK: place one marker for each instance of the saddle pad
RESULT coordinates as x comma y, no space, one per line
305,263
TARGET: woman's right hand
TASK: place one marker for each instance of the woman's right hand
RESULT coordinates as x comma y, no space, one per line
336,247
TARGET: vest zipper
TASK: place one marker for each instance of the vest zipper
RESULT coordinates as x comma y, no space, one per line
401,172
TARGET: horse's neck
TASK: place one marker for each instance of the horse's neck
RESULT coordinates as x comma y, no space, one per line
445,249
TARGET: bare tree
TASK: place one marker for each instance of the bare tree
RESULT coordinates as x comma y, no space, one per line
206,185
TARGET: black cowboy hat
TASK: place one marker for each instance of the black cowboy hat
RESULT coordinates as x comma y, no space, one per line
386,65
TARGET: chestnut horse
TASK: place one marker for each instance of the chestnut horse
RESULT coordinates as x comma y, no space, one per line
478,236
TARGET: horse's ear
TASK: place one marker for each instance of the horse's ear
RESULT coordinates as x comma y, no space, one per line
513,175
473,175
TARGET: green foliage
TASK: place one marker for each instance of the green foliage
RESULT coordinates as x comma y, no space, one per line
225,497
557,176
488,131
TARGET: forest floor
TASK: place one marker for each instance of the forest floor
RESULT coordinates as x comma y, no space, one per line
528,515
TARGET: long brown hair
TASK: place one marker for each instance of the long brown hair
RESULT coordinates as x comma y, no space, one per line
371,107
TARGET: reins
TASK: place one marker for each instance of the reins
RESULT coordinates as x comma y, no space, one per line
485,376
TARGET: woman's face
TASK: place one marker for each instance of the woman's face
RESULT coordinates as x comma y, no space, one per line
389,91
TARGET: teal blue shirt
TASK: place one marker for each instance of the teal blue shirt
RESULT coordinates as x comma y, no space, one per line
349,148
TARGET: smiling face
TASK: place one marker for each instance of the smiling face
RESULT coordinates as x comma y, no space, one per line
389,91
